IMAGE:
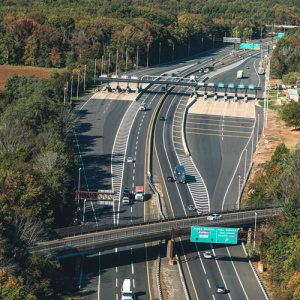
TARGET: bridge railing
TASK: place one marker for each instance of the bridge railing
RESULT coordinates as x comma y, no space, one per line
105,225
159,230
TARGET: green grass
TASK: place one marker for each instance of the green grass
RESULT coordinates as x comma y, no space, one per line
272,104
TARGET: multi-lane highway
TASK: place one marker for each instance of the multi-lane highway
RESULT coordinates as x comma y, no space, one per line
110,131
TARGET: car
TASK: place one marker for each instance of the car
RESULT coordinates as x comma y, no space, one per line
178,72
214,217
126,190
247,67
239,56
199,62
163,87
207,254
170,178
211,59
130,160
242,57
220,289
192,207
162,118
222,63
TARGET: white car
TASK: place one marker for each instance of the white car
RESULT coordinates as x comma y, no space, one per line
130,160
207,254
214,217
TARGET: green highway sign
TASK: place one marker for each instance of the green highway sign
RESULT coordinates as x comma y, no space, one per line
246,46
220,84
256,46
241,86
231,85
252,87
214,235
280,35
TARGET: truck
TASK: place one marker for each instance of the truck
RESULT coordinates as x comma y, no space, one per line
239,74
179,174
261,71
126,292
139,193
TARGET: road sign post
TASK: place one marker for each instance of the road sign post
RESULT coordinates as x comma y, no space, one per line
214,235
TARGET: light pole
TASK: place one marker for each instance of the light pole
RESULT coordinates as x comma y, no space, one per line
239,188
84,78
65,95
78,83
257,135
126,60
148,46
252,143
117,62
95,70
137,57
255,215
213,41
108,64
159,50
189,46
173,52
71,90
79,172
246,152
102,63
83,211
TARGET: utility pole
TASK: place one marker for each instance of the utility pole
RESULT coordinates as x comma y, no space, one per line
108,64
95,70
148,46
117,62
84,78
78,83
126,57
137,57
71,90
159,50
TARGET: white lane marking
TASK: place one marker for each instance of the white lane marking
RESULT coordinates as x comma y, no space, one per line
99,275
133,283
116,269
208,283
117,297
132,269
130,209
133,171
135,147
213,251
132,178
137,142
116,282
200,259
135,153
132,185
236,273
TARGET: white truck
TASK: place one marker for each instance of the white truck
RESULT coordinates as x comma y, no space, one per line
139,193
240,74
261,71
126,292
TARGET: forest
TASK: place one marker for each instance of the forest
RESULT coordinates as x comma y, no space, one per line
36,150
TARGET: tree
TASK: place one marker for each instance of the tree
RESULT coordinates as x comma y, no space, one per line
290,113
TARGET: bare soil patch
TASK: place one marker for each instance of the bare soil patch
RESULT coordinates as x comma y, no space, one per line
7,71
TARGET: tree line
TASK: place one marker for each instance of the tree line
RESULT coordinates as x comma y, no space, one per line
54,33
36,186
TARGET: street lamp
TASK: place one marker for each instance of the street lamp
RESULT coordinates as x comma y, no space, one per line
126,60
239,188
257,135
65,95
137,57
108,64
173,52
71,90
84,78
159,50
78,83
252,144
255,215
95,70
246,152
84,201
148,46
117,56
102,63
79,171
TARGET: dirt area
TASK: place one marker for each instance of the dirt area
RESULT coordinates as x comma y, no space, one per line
7,71
275,133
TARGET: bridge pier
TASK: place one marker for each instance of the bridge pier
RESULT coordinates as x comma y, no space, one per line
245,98
225,97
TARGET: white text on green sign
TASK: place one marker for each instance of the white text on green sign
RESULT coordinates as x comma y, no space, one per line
246,46
214,235
220,84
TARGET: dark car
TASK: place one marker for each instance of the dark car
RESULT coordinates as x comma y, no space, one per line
162,118
220,289
170,178
126,190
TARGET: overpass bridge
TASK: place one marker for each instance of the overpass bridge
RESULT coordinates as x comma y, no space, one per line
147,232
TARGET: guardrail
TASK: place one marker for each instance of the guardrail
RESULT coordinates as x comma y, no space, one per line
73,246
152,219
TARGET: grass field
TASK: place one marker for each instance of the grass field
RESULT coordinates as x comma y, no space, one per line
7,71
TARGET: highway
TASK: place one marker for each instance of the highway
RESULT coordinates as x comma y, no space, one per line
100,122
